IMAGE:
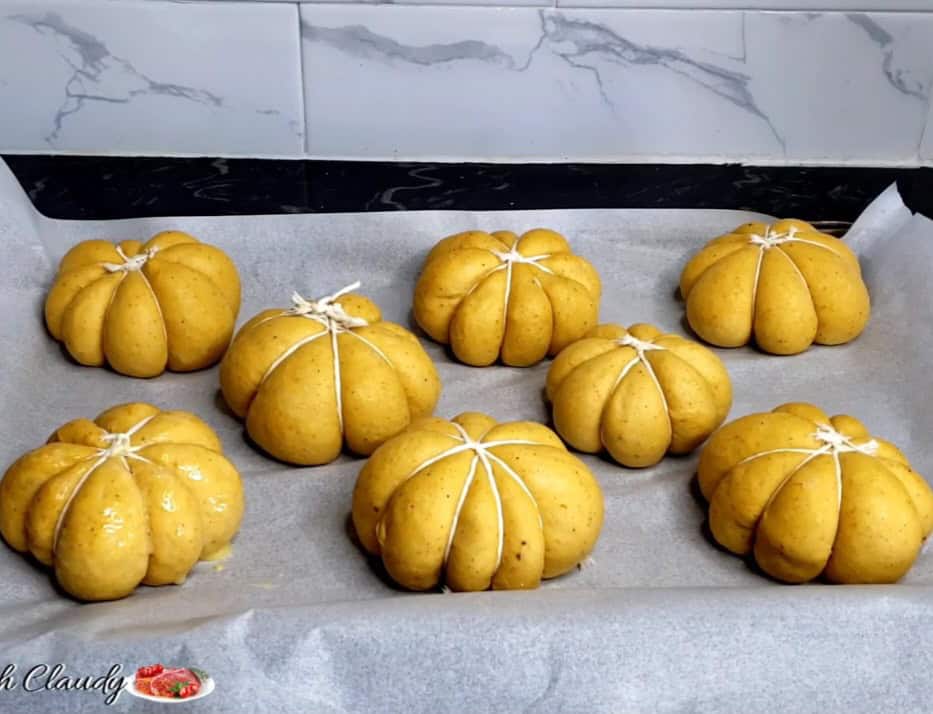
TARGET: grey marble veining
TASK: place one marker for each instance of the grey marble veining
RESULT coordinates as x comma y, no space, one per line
591,39
902,79
480,82
88,81
361,42
616,84
119,77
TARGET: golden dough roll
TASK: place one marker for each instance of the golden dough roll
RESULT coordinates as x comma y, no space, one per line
472,504
170,303
637,393
324,373
136,496
499,296
785,286
809,495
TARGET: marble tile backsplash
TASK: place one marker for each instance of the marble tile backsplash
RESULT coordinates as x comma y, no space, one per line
150,78
514,82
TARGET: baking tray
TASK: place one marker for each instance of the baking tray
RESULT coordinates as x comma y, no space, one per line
659,620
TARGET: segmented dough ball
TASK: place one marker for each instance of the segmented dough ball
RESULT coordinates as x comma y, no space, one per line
637,393
308,378
141,308
500,296
136,496
786,286
473,504
810,495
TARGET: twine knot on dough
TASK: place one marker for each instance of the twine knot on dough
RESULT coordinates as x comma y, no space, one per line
773,238
327,310
118,444
840,443
131,264
640,346
513,256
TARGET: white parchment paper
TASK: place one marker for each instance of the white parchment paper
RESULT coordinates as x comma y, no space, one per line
298,620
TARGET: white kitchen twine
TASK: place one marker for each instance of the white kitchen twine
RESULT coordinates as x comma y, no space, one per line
510,258
329,313
131,264
835,443
327,310
773,239
640,347
119,445
482,456
135,264
513,256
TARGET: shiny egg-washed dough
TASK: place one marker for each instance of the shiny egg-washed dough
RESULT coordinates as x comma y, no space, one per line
811,495
500,296
141,308
472,504
786,286
308,378
136,496
637,393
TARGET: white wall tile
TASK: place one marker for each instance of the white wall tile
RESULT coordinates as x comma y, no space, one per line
150,78
395,81
926,142
843,86
808,5
798,5
490,3
607,85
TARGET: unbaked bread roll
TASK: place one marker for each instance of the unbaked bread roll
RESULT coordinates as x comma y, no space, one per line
637,393
786,286
323,372
473,504
500,296
809,495
136,496
141,308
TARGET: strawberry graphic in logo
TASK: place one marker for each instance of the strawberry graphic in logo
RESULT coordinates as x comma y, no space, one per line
158,682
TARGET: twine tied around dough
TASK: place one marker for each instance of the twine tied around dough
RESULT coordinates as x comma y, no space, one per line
839,443
640,346
119,445
327,310
131,264
834,444
513,256
482,465
773,238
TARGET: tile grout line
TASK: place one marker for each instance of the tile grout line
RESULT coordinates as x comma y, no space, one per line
302,91
603,5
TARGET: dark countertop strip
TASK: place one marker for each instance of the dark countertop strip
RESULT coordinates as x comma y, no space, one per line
80,187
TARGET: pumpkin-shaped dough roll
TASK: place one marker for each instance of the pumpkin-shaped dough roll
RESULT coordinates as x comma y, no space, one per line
136,496
786,286
809,495
500,296
473,505
323,372
637,393
141,308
